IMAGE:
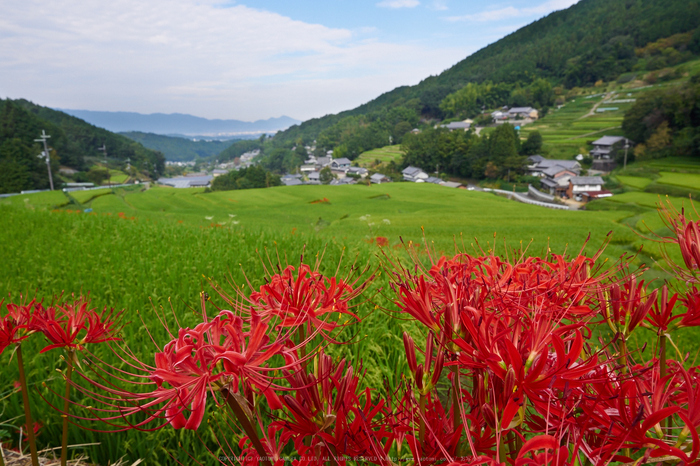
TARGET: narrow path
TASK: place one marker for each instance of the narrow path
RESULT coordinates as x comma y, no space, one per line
595,107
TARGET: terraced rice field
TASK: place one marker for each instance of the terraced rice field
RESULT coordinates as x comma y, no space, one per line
686,180
634,181
384,155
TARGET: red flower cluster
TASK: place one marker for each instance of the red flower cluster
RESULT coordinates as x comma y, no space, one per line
508,371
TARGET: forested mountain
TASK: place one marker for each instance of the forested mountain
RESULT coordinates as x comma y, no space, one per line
179,123
590,41
72,140
179,149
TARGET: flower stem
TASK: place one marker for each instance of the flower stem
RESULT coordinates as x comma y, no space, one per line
623,353
666,423
66,407
421,420
27,412
247,426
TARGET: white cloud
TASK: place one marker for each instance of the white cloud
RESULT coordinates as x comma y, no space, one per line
439,5
398,3
199,57
512,12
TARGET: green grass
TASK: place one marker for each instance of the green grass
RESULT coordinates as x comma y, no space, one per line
384,155
86,196
166,241
634,181
686,180
41,201
117,177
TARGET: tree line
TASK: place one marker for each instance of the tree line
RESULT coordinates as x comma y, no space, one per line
465,154
666,122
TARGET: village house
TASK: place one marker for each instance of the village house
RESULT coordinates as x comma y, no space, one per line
458,125
378,178
199,181
314,177
585,188
603,147
602,152
357,171
538,165
340,164
342,181
523,112
308,168
323,162
291,180
218,172
416,175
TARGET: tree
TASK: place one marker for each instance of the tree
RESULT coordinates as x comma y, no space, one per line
503,143
98,175
325,176
491,170
533,144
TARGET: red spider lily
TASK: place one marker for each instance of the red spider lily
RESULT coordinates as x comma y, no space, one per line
691,301
304,299
686,235
36,428
557,457
328,417
625,307
441,438
424,375
273,446
72,325
15,325
660,316
217,355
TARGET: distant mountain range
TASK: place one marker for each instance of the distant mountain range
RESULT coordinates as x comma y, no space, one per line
182,124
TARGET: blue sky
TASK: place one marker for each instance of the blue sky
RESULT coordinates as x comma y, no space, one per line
244,59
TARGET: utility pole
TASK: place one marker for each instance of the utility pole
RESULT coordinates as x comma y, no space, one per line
627,146
43,139
104,149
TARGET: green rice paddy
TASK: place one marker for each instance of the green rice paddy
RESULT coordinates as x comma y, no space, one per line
384,155
157,247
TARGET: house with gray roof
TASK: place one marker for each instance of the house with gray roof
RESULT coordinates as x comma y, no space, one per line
458,125
343,181
603,147
339,164
187,181
378,178
414,174
523,112
538,165
581,184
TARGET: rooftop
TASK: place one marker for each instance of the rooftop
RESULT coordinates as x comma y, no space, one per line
589,180
608,140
